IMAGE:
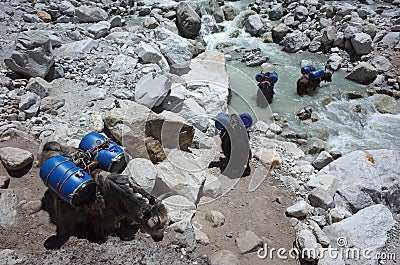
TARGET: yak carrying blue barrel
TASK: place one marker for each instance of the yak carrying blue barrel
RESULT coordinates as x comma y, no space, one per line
260,77
222,121
307,69
273,78
71,183
314,75
109,155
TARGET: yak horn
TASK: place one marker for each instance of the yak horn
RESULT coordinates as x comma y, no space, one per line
163,196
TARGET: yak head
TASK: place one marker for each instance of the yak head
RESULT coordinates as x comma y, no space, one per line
155,221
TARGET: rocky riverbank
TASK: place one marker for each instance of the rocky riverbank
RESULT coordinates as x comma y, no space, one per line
138,71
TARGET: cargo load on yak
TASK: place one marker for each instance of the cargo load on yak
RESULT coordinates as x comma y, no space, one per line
265,90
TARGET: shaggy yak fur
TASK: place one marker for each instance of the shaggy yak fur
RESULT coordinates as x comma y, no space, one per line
306,86
265,93
236,148
116,208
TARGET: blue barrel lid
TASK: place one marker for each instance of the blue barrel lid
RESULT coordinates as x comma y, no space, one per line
260,77
273,77
222,121
247,119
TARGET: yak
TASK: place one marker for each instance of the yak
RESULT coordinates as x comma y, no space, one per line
305,85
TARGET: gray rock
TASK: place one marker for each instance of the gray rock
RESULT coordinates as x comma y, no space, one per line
100,29
370,29
319,234
216,218
4,182
123,94
329,34
248,242
200,236
325,182
279,32
323,159
320,198
194,114
275,128
345,9
30,104
177,50
188,21
174,100
150,23
276,12
367,229
212,187
305,240
87,14
31,18
363,73
315,44
147,53
224,257
229,12
253,25
38,86
97,93
32,207
115,21
381,64
124,64
338,214
385,104
51,103
77,49
301,13
390,40
295,41
335,62
362,43
8,206
142,173
179,208
15,158
299,210
366,178
152,89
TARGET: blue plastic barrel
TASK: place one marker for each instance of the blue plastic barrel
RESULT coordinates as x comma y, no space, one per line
247,119
222,121
71,183
260,77
314,75
273,78
306,69
110,156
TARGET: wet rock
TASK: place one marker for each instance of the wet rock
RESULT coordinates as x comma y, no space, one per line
212,187
224,257
366,229
323,159
142,173
363,73
99,29
295,41
188,21
338,214
30,104
87,14
316,147
216,218
276,12
8,206
299,210
279,32
116,21
179,208
320,198
152,89
15,158
385,104
253,25
354,95
247,242
362,43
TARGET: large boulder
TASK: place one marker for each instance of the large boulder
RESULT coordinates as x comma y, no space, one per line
254,24
363,73
295,41
208,82
89,14
366,230
15,159
381,64
276,12
362,43
194,114
139,129
100,29
367,177
77,49
187,20
279,32
177,50
390,40
152,89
